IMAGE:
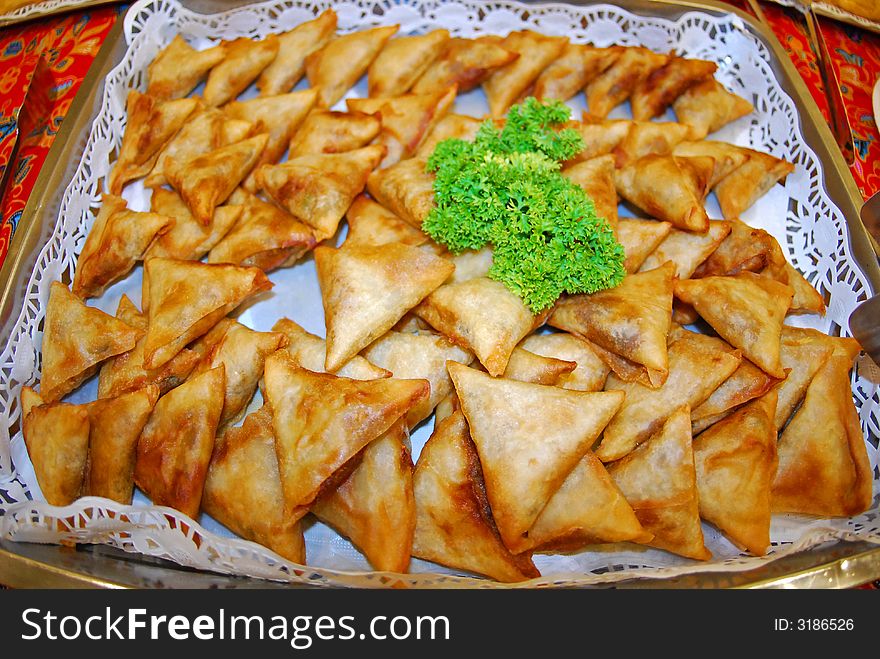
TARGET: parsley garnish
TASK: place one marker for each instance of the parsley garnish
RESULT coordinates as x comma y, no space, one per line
505,188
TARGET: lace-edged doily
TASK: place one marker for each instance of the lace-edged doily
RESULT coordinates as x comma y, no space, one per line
800,215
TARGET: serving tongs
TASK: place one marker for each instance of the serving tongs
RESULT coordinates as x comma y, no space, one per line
864,321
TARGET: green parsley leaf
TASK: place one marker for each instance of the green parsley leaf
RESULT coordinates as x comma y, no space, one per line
505,189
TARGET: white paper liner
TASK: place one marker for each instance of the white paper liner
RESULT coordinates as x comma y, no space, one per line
799,214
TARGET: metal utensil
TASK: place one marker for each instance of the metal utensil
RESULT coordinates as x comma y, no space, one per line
864,321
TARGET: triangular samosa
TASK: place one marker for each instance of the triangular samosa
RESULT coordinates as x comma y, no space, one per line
727,156
245,60
294,46
459,126
660,482
614,85
639,239
370,223
403,61
466,63
658,91
179,67
707,106
572,70
203,132
646,138
596,178
526,366
522,474
735,461
175,447
746,184
747,382
803,353
744,249
76,339
746,310
687,250
325,131
454,524
590,373
600,136
321,421
366,289
406,189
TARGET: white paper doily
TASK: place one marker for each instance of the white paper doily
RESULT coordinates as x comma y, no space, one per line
799,214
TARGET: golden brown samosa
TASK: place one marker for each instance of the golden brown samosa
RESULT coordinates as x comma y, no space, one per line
265,237
482,316
747,382
188,298
175,446
614,85
206,181
577,65
150,124
707,106
310,351
366,289
117,240
600,136
294,46
630,321
823,460
456,126
698,364
76,339
744,249
203,132
189,239
740,189
660,482
374,507
418,357
727,156
659,90
454,524
527,366
115,426
649,137
243,488
370,223
639,239
325,131
746,310
506,84
596,178
687,250
521,474
403,61
335,68
803,353
735,461
179,67
245,60
321,421
57,439
319,188
669,188
589,374
465,63
806,298
405,189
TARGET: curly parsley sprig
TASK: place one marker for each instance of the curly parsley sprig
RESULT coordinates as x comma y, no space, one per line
505,188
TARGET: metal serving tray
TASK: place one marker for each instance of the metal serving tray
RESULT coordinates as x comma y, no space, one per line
833,565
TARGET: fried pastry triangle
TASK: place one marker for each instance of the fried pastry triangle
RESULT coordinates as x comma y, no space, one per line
746,184
823,461
803,353
403,61
175,446
117,240
735,461
57,439
203,132
335,68
577,65
669,188
405,189
126,372
590,372
206,181
76,339
406,120
319,188
613,86
522,474
245,60
243,352
687,250
265,237
745,249
630,320
374,507
806,298
660,89
310,351
324,131
115,426
189,239
466,63
596,178
506,84
178,68
458,126
454,524
660,482
600,136
698,364
370,223
366,289
188,298
150,125
639,239
707,106
746,310
243,488
294,46
482,316
418,357
649,137
747,382
526,366
321,421
727,156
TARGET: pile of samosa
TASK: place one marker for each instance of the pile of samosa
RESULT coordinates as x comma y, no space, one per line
602,420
